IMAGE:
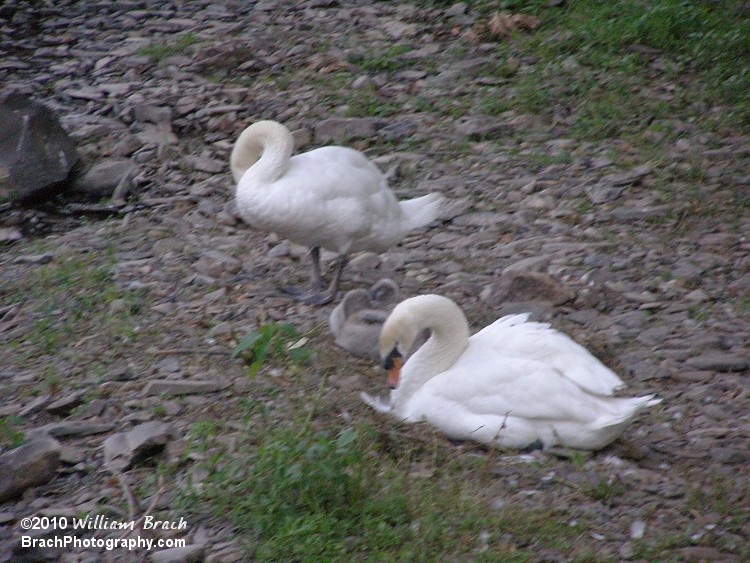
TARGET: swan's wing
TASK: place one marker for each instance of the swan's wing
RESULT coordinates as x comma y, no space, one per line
514,336
501,386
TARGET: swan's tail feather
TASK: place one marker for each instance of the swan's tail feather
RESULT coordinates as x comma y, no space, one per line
421,211
630,408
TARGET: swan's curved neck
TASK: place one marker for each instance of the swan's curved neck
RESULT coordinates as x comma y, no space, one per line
264,148
449,339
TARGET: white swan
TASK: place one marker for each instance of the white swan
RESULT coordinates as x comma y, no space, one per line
514,383
331,197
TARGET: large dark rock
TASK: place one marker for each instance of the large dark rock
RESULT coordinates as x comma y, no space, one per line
36,155
30,465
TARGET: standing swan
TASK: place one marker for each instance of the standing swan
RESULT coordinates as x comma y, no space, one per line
514,383
331,197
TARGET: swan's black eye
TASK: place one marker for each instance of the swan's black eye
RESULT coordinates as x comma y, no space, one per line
388,361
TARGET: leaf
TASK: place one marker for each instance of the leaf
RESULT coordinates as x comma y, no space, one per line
346,438
287,330
299,355
248,341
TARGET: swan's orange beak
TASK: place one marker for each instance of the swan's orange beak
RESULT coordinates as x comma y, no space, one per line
394,371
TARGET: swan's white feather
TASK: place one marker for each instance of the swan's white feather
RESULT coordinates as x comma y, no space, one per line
515,335
502,385
331,197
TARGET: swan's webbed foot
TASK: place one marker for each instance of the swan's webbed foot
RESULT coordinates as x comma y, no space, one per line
532,447
316,293
320,298
311,295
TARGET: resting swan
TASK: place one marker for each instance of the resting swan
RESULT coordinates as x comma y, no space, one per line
514,383
331,197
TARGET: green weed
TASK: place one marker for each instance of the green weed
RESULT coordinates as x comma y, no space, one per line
159,51
271,340
10,437
388,60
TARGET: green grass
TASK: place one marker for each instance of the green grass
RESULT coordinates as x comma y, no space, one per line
305,491
68,300
10,436
161,50
389,59
594,56
307,495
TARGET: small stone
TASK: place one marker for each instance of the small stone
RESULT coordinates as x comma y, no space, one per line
719,361
66,404
125,449
71,455
344,129
529,286
162,246
637,529
363,82
602,193
365,261
180,387
483,128
205,164
38,404
531,264
457,9
483,219
729,456
164,308
69,428
37,259
102,179
118,306
10,234
29,465
186,554
398,29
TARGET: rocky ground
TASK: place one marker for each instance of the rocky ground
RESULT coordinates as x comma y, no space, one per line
117,320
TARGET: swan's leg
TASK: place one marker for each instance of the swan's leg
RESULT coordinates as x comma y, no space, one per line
314,294
323,297
316,279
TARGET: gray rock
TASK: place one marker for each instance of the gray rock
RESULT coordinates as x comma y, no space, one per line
482,128
205,164
180,387
36,154
603,193
66,404
9,234
37,259
103,178
528,286
398,130
30,465
125,449
626,178
186,554
719,361
70,428
483,219
539,310
729,456
365,261
344,129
